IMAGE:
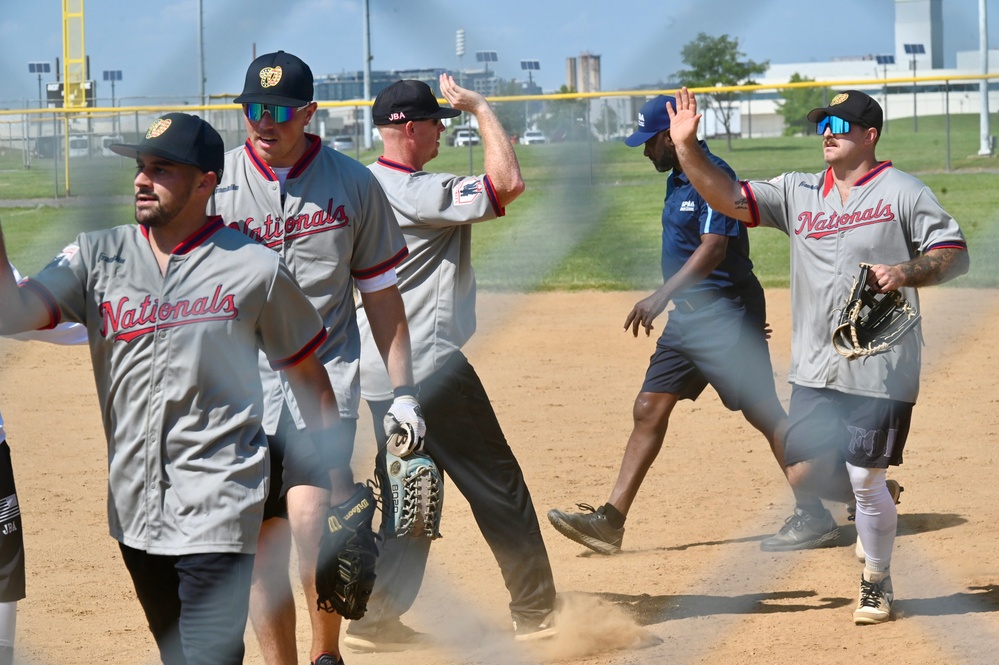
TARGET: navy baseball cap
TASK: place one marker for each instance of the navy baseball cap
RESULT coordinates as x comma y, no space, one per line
408,100
277,78
854,106
180,138
652,119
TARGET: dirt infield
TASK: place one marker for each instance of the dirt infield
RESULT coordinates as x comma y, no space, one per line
692,585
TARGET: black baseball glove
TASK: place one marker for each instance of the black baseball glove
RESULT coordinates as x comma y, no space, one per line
870,322
345,570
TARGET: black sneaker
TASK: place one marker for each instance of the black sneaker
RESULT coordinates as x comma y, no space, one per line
802,531
391,635
526,630
590,529
327,659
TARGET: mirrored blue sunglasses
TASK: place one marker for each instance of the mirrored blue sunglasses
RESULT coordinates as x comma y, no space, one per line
835,125
278,113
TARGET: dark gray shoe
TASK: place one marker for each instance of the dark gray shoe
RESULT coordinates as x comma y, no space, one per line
527,630
389,635
327,659
590,529
802,531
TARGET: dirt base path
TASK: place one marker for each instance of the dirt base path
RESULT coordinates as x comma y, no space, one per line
692,585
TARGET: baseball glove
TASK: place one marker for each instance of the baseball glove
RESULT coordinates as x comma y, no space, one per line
345,570
412,493
872,323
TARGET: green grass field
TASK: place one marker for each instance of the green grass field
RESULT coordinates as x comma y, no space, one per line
590,216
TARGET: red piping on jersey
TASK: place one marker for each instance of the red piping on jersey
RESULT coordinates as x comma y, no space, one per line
863,180
315,145
487,181
395,166
196,239
382,267
948,244
754,208
307,350
491,193
55,314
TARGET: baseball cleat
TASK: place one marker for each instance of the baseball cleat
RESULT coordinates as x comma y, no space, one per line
590,529
874,605
802,531
895,490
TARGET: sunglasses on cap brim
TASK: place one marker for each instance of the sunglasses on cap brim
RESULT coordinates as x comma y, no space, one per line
835,125
279,114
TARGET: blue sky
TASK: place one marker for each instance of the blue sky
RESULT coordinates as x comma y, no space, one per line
155,46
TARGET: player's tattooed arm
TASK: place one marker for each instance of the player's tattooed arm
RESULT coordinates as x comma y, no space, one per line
934,267
741,203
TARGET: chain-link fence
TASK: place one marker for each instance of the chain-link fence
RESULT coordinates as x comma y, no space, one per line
65,141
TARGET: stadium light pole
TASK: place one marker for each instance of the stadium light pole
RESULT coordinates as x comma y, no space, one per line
884,61
113,75
914,50
986,147
484,57
39,68
530,66
201,53
368,129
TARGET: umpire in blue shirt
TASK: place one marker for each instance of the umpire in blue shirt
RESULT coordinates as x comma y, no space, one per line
716,333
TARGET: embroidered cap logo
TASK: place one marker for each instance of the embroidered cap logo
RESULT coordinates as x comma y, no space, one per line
839,99
270,77
158,127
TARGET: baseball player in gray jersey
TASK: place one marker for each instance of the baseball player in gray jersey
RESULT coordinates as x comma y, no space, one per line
848,420
177,309
328,217
11,531
436,212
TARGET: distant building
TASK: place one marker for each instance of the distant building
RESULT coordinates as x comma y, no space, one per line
582,74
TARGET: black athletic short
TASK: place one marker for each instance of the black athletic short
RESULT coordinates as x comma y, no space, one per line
11,533
717,338
304,468
869,432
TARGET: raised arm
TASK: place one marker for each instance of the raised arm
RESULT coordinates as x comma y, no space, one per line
20,311
716,187
500,159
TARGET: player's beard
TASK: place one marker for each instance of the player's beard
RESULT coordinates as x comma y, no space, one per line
162,213
665,162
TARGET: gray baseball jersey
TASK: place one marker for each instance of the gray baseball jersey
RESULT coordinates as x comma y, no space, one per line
332,225
175,360
434,211
889,217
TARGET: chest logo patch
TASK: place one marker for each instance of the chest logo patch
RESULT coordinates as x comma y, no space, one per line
687,206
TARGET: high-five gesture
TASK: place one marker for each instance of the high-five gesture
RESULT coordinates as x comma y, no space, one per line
683,120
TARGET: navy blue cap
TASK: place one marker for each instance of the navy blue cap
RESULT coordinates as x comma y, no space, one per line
652,119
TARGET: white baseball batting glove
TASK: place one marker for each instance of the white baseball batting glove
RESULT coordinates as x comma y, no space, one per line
404,426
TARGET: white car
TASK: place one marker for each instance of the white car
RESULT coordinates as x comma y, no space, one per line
465,137
343,143
532,137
